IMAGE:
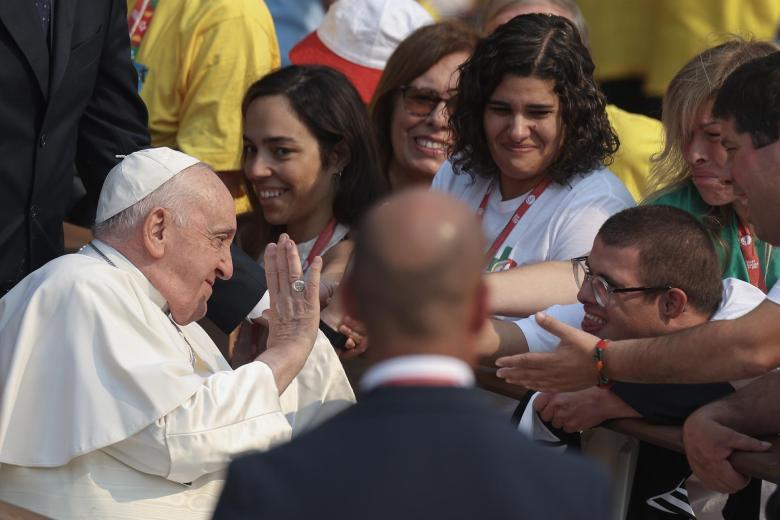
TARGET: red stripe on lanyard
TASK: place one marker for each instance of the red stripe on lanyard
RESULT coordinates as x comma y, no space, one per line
518,214
322,241
750,255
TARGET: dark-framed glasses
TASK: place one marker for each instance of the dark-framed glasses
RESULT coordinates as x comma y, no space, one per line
421,102
602,289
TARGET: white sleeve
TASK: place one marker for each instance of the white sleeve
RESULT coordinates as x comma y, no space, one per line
739,298
443,179
234,411
774,293
538,339
588,208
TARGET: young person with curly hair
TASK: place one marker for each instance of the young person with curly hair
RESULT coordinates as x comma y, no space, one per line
531,137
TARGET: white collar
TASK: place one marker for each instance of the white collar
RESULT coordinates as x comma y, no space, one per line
120,261
418,366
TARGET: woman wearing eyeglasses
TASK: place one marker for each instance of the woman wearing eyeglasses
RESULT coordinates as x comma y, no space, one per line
693,163
408,108
531,138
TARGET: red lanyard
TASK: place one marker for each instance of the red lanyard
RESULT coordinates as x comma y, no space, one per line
750,255
319,245
138,22
519,212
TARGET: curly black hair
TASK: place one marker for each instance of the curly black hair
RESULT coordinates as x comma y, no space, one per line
545,47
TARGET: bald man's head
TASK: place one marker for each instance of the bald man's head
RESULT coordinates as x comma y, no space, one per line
417,268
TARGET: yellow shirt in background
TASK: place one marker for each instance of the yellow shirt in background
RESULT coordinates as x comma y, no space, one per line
201,56
653,39
640,137
621,36
687,27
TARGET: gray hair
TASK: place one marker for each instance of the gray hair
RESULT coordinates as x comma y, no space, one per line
495,7
175,194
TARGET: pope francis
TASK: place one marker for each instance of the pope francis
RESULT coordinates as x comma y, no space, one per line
114,403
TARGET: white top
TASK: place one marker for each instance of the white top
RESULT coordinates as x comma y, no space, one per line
738,299
774,293
419,366
561,224
91,361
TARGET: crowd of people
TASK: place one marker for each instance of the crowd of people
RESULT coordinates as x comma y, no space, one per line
304,253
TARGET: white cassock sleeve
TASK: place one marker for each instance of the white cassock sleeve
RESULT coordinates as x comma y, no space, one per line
233,412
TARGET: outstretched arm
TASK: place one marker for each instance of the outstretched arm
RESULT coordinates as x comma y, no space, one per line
525,290
716,351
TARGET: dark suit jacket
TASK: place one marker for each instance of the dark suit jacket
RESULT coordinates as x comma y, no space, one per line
74,106
414,453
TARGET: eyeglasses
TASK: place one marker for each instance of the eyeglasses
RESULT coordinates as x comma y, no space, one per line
602,289
421,102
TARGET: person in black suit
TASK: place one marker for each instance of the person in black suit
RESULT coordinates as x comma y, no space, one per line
420,443
69,99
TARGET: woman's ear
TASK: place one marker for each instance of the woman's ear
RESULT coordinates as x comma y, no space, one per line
338,159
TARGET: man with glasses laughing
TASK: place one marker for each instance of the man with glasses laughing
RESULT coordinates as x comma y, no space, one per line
652,271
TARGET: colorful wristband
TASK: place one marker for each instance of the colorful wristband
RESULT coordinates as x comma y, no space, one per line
598,356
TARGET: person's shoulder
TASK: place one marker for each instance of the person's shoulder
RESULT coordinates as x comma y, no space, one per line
599,184
450,180
216,11
739,298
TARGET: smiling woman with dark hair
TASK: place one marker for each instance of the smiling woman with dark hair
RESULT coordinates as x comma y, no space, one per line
531,137
310,163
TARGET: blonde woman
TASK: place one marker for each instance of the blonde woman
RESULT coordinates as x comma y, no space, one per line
693,163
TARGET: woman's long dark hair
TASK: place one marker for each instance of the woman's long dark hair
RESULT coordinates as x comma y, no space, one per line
331,109
545,47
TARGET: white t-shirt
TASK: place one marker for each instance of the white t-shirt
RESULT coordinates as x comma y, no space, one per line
738,299
774,293
561,224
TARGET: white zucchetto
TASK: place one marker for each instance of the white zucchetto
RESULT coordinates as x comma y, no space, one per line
138,175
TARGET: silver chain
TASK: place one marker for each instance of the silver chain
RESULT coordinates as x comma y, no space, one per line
170,318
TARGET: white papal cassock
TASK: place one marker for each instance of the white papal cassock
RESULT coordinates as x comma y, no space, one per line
107,410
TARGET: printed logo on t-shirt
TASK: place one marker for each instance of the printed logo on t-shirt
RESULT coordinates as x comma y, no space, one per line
502,262
745,240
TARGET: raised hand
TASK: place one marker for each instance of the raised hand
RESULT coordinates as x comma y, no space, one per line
294,315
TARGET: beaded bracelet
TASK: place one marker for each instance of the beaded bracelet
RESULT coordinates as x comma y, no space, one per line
598,356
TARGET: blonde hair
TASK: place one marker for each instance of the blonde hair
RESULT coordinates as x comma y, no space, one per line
698,81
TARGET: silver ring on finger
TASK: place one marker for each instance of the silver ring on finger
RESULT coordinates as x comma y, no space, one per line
298,285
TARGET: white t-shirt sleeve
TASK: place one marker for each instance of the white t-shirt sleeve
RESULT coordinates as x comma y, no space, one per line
442,181
738,299
538,339
774,293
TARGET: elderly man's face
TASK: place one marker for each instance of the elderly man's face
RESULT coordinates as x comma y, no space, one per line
199,253
756,173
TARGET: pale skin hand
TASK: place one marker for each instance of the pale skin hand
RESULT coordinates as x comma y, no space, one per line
568,368
293,318
709,444
578,411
